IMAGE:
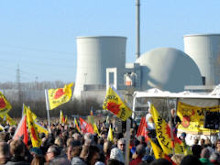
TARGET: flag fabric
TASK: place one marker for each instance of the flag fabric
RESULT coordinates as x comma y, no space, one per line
41,129
24,112
76,125
193,118
141,126
115,104
8,119
110,134
5,106
62,119
21,131
59,96
164,136
96,129
85,127
158,152
66,119
1,128
36,141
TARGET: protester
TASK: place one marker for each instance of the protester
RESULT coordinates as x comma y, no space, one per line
175,121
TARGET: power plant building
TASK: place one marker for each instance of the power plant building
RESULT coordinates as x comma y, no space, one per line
101,62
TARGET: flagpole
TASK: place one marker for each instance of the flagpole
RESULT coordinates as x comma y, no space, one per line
47,107
128,127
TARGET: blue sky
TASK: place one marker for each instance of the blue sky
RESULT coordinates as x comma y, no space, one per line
39,36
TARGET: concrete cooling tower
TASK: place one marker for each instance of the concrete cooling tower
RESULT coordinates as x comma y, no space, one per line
168,69
205,51
94,55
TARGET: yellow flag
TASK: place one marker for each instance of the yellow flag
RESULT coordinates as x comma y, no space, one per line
1,127
25,108
114,103
96,129
59,96
164,135
41,129
8,119
5,106
110,134
76,125
66,120
36,141
61,117
158,153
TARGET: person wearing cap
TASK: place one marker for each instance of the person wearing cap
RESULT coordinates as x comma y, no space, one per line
140,151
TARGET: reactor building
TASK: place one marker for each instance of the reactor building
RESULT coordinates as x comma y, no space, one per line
101,61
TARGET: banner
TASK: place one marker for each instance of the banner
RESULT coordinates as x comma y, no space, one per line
193,117
164,136
59,96
5,106
114,103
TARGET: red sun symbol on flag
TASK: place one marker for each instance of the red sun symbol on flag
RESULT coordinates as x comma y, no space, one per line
59,93
2,103
113,107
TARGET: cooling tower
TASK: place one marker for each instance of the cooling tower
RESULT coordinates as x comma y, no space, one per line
205,51
94,55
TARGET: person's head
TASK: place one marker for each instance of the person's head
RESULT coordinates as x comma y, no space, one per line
93,155
196,150
17,148
84,152
190,159
217,145
121,144
117,154
183,136
77,136
140,150
205,153
74,149
113,162
4,152
38,159
177,158
52,152
173,112
161,161
59,141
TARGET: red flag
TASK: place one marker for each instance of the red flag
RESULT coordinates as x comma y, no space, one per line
142,129
85,127
21,131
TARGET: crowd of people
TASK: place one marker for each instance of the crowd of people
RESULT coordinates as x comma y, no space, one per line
65,145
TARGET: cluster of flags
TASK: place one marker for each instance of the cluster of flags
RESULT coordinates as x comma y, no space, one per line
29,126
